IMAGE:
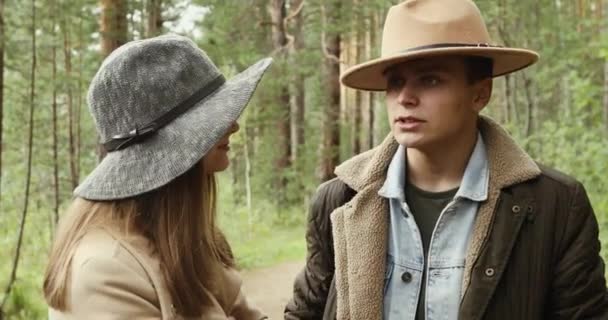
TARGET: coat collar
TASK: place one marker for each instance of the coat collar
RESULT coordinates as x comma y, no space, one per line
509,164
360,226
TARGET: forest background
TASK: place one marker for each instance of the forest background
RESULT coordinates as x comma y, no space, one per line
300,124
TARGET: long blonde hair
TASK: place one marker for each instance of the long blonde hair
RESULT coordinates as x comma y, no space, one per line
179,221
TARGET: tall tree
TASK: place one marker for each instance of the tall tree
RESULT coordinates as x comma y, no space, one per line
606,94
2,41
278,13
331,111
372,30
28,177
113,27
155,18
357,55
299,89
604,31
67,53
54,108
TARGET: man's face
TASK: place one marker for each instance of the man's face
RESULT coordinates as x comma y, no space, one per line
431,103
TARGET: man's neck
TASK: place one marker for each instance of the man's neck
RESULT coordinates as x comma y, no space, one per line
442,167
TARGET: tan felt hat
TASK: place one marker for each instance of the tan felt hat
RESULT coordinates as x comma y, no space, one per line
417,29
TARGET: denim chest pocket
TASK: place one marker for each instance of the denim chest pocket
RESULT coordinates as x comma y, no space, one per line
401,290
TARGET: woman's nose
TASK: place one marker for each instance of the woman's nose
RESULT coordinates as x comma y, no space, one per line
235,127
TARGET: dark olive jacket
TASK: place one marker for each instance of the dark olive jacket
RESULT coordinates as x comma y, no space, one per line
534,251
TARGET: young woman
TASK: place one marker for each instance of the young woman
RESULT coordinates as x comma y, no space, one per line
140,238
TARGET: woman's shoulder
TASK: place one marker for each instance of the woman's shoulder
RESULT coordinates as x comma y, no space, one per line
100,246
104,271
104,255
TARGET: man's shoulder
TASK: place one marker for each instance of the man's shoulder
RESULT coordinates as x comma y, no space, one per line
551,186
333,189
557,179
330,195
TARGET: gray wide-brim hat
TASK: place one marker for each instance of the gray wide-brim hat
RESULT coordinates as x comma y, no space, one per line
160,105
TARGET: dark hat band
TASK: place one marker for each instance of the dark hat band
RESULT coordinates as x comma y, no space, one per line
453,45
138,135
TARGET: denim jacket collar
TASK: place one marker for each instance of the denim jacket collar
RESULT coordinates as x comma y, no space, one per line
474,185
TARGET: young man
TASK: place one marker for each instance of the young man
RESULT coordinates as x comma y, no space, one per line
448,218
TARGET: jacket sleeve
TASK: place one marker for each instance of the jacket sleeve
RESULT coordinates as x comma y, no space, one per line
105,288
311,286
579,287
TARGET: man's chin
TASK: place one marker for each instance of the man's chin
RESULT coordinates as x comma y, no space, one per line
409,140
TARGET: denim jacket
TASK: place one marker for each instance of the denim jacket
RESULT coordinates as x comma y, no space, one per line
448,247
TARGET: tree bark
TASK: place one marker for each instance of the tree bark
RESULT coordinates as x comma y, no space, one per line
13,275
1,93
81,48
67,53
606,94
155,18
331,114
54,107
299,96
357,108
508,107
278,12
367,137
530,106
113,29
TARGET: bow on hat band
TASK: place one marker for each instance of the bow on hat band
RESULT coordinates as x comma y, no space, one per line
138,135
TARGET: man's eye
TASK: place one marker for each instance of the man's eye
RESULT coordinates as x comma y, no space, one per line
395,82
429,80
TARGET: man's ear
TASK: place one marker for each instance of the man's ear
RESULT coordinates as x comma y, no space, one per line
483,93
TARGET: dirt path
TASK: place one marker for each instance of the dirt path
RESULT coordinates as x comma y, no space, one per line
271,288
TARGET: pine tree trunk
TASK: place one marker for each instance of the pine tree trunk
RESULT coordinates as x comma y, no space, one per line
81,48
606,94
330,155
67,52
13,275
299,99
2,41
358,103
604,28
155,19
113,29
530,105
278,13
54,107
367,135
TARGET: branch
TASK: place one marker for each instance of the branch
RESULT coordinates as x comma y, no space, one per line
287,46
327,54
295,12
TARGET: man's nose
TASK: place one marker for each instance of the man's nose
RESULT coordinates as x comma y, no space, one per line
408,97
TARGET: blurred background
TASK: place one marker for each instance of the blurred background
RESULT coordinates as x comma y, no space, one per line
300,124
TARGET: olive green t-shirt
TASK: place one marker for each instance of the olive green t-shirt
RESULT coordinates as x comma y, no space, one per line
426,207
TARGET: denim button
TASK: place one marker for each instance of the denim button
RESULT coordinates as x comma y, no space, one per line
406,277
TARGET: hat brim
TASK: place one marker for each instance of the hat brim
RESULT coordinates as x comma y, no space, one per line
370,75
176,147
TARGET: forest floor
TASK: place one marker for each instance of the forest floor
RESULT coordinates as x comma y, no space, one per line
271,288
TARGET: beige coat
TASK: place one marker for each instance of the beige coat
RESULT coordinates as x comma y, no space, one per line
118,277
